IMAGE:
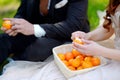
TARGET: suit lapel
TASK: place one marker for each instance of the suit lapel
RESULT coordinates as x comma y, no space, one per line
52,6
51,9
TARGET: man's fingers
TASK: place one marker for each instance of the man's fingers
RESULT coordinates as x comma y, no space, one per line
3,29
8,31
8,19
14,27
12,33
13,20
18,31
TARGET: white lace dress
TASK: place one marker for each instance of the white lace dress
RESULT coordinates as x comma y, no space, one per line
25,70
116,26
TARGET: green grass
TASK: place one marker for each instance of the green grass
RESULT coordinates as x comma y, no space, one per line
93,6
8,2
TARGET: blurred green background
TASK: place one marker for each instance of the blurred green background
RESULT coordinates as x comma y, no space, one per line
8,9
93,7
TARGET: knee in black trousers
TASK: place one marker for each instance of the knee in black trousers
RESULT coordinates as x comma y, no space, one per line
40,49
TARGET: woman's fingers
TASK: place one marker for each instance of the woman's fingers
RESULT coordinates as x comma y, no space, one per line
78,34
77,45
86,41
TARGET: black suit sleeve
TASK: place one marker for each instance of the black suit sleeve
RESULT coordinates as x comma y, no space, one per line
76,20
21,12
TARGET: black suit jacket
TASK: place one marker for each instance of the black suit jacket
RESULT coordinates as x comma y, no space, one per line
59,23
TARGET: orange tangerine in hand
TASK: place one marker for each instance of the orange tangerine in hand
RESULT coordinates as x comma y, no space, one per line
7,24
77,40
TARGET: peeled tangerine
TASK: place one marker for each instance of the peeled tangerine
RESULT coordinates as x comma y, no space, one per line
77,40
7,24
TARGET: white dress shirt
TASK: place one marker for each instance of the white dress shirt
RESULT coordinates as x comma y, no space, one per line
38,30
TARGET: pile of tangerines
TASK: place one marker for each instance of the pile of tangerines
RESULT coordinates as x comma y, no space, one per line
75,60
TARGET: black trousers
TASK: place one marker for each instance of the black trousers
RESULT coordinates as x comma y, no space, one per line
27,48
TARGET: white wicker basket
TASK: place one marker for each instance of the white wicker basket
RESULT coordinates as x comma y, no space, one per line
67,72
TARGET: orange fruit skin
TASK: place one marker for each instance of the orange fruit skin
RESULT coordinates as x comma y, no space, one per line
71,68
88,59
7,24
77,40
81,57
61,56
69,56
79,68
95,61
70,61
87,64
76,62
66,62
75,52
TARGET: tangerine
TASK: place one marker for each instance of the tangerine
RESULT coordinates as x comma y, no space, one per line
7,24
95,61
81,57
65,62
70,61
76,62
89,58
87,64
68,56
71,68
61,56
79,68
75,52
78,40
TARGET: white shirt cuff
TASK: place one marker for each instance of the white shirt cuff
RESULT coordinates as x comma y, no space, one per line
39,31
